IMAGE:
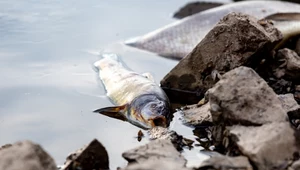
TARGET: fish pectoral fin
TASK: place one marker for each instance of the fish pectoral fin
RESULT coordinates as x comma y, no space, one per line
148,76
113,112
285,16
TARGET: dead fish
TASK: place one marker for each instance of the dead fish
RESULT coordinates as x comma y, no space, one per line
139,99
177,39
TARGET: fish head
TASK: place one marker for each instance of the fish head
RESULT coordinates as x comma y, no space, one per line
149,111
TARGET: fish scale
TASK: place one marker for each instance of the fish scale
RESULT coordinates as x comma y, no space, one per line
177,39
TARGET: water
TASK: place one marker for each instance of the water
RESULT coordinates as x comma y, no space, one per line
48,88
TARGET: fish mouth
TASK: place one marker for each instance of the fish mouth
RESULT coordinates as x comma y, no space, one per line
158,121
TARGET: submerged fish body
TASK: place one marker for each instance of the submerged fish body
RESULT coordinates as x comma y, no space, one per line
177,39
139,99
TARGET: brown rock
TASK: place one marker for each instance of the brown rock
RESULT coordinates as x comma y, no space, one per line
196,115
157,150
235,41
25,155
288,65
92,156
242,97
226,163
270,146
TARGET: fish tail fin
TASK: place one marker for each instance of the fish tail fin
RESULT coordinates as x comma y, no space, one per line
288,24
116,112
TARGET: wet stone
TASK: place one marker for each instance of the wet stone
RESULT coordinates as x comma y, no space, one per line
226,163
270,146
25,155
157,150
92,156
241,40
242,97
195,115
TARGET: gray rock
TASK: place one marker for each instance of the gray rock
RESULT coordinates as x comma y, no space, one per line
157,150
196,115
288,102
270,146
155,165
25,155
292,108
288,65
164,133
242,97
240,40
92,156
226,163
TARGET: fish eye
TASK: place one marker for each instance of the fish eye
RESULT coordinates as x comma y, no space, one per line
153,106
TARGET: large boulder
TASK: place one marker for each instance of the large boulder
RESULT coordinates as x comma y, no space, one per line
270,146
242,97
157,150
236,40
25,155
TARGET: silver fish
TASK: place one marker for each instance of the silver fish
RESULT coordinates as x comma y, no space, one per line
177,39
139,99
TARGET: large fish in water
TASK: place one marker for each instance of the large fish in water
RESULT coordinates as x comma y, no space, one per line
139,99
177,39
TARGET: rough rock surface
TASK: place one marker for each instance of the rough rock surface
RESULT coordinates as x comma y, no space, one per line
92,156
288,102
288,65
241,40
157,150
270,146
164,133
155,165
292,108
226,163
195,115
25,155
242,97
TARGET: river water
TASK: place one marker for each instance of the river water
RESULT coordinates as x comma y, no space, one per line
48,87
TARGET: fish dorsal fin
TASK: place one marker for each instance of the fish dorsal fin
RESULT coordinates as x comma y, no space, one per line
287,16
116,112
148,76
194,7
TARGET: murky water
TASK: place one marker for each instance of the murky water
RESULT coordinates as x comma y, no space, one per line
48,88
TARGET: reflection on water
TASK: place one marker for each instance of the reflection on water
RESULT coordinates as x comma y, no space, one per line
48,88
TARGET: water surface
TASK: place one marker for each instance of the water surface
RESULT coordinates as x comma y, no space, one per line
48,88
